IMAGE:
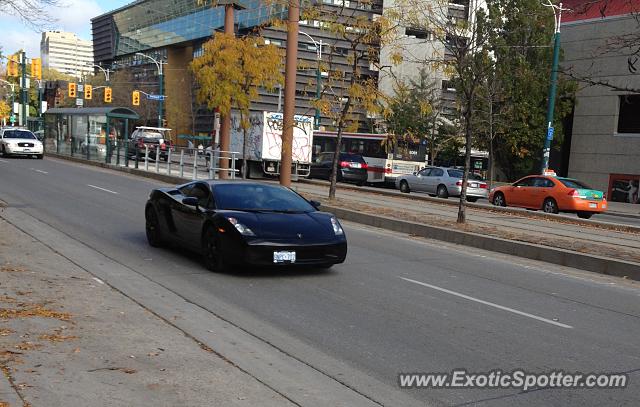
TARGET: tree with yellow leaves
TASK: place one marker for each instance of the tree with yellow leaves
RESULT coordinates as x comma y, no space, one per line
5,110
231,71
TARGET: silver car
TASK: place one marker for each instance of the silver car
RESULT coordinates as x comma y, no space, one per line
443,182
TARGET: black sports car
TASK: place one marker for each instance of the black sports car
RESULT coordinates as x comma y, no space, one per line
244,223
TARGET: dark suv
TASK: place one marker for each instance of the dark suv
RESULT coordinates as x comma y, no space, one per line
351,167
153,138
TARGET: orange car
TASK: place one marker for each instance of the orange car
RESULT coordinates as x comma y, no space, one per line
552,195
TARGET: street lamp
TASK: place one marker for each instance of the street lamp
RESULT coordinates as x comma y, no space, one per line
557,15
106,72
318,46
160,81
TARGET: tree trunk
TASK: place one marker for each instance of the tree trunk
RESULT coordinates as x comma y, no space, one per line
462,205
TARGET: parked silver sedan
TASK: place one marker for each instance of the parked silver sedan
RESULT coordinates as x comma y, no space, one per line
443,182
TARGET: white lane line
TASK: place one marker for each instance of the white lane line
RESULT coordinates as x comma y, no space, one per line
40,171
102,189
98,280
4,161
491,304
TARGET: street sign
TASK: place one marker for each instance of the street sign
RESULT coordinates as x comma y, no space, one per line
550,131
156,97
79,102
16,107
43,107
12,119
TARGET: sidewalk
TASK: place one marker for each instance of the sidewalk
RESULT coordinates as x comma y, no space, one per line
68,339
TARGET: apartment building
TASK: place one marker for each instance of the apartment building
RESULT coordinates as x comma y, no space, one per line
66,53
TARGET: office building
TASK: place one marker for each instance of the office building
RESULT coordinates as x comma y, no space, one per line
67,53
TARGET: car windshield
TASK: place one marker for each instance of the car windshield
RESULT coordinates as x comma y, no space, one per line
572,183
260,198
23,134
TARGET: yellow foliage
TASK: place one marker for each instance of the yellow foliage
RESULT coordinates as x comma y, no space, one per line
231,70
5,109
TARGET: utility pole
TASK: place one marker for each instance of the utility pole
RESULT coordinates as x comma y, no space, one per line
25,90
289,93
225,119
557,15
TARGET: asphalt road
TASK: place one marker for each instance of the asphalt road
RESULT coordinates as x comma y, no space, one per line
397,305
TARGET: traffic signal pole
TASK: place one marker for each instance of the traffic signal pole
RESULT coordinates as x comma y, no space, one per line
25,90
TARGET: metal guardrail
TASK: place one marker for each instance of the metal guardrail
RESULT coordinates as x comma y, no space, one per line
190,159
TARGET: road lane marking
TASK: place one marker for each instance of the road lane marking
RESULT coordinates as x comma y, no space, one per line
491,304
4,161
98,280
40,171
102,189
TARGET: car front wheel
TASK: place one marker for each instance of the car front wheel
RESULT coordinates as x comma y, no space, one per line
152,227
210,254
498,200
404,187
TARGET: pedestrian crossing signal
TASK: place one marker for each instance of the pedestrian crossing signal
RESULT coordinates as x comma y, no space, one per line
135,98
72,90
107,95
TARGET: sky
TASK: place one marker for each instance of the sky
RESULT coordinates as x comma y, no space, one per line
73,16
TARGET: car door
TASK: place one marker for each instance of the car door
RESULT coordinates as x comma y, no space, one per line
519,193
418,182
433,180
538,192
189,219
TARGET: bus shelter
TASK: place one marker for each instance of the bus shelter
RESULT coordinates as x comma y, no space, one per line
93,133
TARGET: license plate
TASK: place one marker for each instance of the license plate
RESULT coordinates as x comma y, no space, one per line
284,257
26,149
593,205
474,185
356,165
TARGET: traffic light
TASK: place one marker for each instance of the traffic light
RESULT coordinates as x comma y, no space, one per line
88,92
72,90
107,95
135,98
36,68
12,66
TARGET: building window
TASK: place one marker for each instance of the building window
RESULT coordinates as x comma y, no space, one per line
418,33
629,114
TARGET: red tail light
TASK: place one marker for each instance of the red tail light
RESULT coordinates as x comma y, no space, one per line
484,186
163,146
140,143
574,193
365,166
345,164
459,183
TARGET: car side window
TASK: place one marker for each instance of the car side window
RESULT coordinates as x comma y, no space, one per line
436,172
201,192
548,183
185,190
527,182
424,172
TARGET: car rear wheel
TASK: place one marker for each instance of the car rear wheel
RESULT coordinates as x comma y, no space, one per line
442,192
585,215
472,199
39,156
498,199
550,206
152,227
404,187
210,254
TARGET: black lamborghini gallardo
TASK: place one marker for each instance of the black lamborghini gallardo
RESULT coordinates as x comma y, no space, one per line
244,223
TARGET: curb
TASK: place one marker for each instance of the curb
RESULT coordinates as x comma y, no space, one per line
531,251
512,211
547,254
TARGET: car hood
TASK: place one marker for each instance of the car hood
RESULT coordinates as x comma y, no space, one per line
308,227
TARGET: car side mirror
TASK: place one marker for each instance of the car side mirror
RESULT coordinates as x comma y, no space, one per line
415,173
315,204
190,201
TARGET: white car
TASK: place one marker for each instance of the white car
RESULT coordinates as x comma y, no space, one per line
16,141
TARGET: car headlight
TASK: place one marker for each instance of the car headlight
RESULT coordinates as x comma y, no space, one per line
337,229
244,230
